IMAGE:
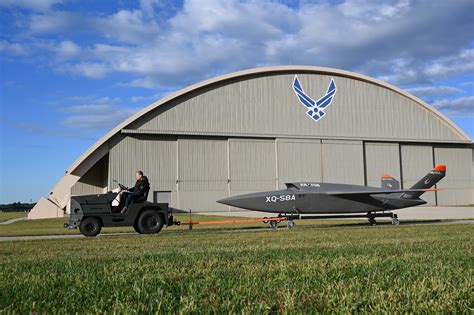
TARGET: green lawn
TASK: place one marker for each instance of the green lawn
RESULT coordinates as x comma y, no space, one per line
55,226
389,269
5,216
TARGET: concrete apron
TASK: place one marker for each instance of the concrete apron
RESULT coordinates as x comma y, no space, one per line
413,213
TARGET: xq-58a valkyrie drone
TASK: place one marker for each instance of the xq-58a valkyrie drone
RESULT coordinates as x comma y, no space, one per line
329,198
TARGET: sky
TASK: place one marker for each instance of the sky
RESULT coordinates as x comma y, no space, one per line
72,70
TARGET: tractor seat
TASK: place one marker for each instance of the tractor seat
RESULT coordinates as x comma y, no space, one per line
143,197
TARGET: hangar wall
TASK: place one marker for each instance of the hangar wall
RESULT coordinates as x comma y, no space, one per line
267,105
200,170
94,181
252,165
202,173
298,160
458,178
382,158
343,162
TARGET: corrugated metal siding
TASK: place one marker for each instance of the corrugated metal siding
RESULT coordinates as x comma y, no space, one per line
343,162
202,171
197,170
252,165
156,157
268,105
417,161
80,188
94,180
458,177
381,158
298,160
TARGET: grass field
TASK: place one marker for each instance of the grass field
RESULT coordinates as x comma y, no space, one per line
5,216
55,226
425,268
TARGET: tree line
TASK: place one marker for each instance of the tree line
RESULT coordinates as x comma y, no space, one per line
16,206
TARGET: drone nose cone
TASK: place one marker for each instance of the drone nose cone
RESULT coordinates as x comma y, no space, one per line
230,201
253,201
247,201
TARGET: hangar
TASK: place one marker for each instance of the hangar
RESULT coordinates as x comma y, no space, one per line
248,131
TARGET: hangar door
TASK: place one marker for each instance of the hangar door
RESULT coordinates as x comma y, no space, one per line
202,174
252,166
298,160
417,161
458,176
342,162
381,158
155,156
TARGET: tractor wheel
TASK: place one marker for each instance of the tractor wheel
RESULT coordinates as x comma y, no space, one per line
149,222
90,227
135,227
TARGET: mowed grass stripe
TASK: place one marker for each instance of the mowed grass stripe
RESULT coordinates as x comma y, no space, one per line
396,270
5,216
55,226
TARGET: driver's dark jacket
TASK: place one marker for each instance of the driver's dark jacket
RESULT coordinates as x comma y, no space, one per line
141,186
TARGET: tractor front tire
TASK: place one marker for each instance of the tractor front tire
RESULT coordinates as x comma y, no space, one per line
90,227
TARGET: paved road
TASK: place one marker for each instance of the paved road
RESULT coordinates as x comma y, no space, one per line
227,230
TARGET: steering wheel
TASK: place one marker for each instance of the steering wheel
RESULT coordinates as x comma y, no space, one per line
122,187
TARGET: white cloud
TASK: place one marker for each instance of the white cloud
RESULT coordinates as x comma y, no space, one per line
41,130
151,98
401,42
91,70
14,49
147,7
459,64
93,106
98,122
468,84
38,5
68,49
146,82
411,70
460,106
56,22
128,26
97,114
366,10
431,91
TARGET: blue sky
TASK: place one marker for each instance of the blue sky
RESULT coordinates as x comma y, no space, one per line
71,70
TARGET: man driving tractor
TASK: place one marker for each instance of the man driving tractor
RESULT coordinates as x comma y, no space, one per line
138,193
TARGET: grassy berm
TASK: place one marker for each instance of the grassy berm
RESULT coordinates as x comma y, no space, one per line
346,269
5,216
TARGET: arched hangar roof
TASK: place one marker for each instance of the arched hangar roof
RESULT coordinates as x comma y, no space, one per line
259,72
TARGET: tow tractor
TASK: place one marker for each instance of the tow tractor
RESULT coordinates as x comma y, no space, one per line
90,213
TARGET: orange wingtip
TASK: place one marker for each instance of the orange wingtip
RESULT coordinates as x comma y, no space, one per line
440,168
385,175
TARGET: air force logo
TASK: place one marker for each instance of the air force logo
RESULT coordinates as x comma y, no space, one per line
315,108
